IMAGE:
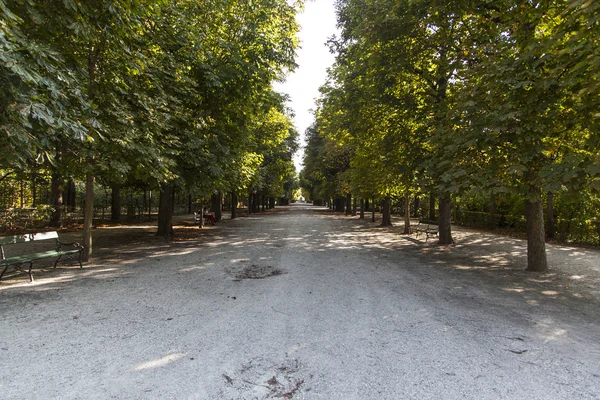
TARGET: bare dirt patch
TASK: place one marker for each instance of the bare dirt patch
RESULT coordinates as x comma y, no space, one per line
258,272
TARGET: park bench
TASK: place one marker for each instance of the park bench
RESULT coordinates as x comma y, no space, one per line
30,251
429,228
198,215
241,212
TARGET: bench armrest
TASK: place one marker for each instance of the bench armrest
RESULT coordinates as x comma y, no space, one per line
59,244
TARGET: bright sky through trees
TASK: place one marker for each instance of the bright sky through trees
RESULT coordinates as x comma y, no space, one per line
318,23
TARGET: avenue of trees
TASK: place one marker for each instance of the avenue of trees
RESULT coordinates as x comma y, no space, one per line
471,106
159,95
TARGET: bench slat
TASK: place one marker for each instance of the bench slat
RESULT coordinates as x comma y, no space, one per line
28,237
36,256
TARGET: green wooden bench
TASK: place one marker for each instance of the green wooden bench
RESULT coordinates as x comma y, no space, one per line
29,254
429,228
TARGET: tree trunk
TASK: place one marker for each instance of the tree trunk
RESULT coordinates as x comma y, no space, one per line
367,205
190,203
354,206
362,208
407,213
492,217
88,216
373,210
173,193
72,195
216,206
115,202
445,230
348,204
264,201
234,201
22,193
56,194
150,204
165,210
536,245
550,231
431,207
386,217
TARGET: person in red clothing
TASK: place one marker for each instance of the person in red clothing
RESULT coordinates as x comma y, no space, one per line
206,214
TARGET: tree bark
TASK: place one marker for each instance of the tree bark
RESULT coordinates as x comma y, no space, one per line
431,207
88,216
348,204
492,217
373,210
362,208
386,217
536,245
216,206
407,213
354,206
115,202
445,230
165,210
190,203
551,230
56,194
234,201
22,193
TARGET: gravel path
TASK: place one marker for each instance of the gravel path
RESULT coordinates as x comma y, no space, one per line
300,303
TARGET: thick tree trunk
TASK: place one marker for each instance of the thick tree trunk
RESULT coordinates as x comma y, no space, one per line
536,245
88,216
445,230
150,204
56,194
190,203
348,204
216,206
72,195
386,216
367,205
115,202
362,208
373,210
431,207
264,202
550,230
173,202
271,202
234,202
407,213
339,204
165,211
492,217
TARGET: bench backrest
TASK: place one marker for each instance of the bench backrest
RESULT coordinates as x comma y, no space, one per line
28,237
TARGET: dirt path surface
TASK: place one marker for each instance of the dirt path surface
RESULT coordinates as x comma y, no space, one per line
300,303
